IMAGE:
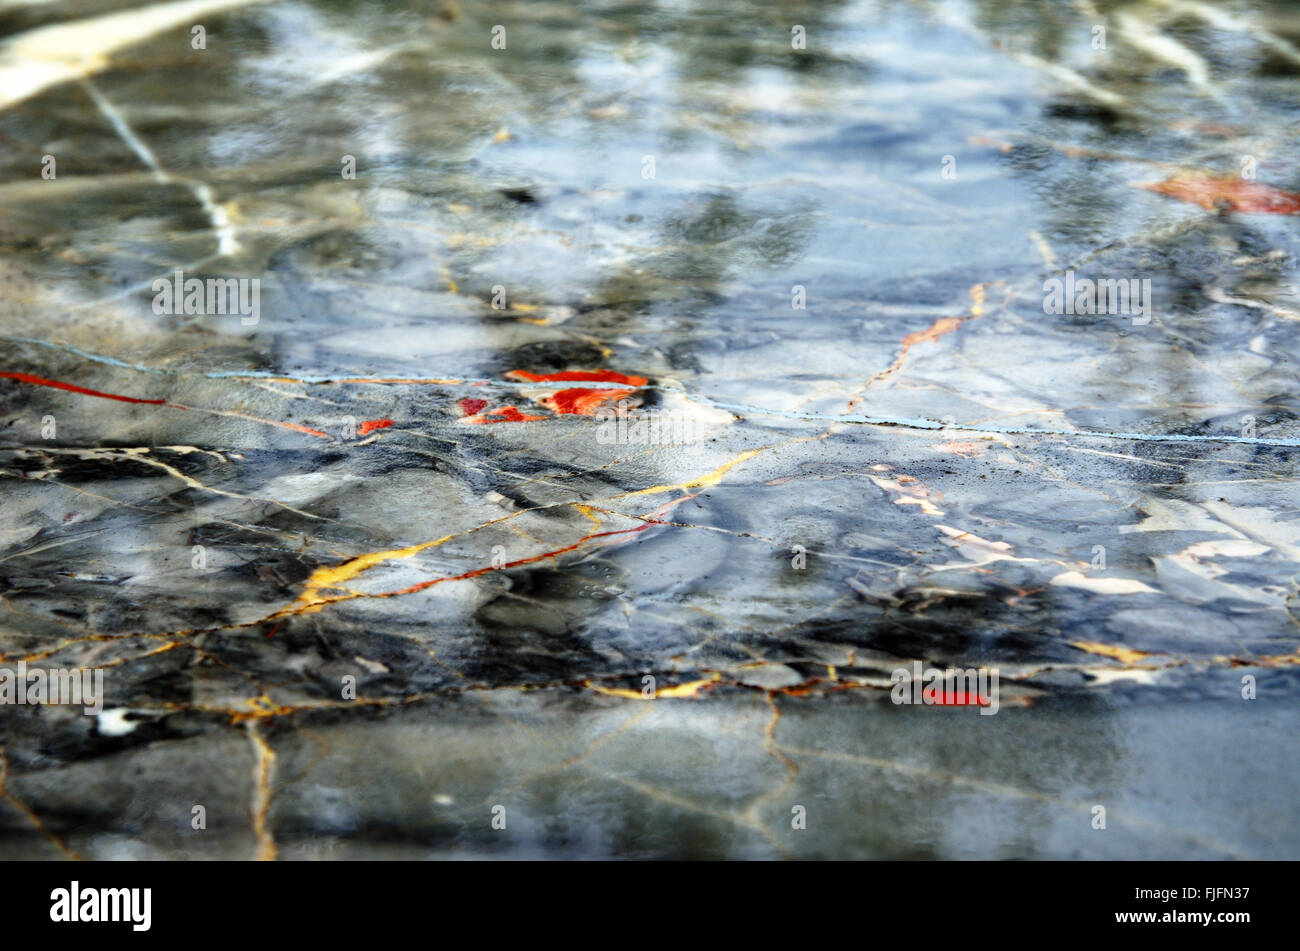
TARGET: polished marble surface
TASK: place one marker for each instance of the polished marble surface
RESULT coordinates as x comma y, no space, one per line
376,481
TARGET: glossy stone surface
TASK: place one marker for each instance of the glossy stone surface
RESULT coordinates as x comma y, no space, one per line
921,463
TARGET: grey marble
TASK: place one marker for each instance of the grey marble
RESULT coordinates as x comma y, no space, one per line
358,586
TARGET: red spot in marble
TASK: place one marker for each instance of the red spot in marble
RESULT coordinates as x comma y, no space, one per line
472,407
580,402
370,425
1228,192
577,376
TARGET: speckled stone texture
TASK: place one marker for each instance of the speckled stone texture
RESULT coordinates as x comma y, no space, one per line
366,581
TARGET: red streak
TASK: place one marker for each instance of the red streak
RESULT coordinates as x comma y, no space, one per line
472,407
654,518
513,564
275,422
1230,191
370,425
73,388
